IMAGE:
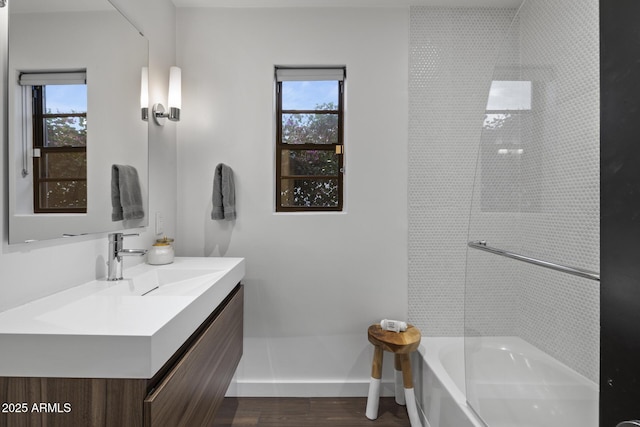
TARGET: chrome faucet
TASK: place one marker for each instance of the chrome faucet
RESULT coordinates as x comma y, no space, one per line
116,252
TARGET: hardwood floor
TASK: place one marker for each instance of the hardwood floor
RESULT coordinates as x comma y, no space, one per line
307,412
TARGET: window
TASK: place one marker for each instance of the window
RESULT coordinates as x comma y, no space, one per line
59,104
309,139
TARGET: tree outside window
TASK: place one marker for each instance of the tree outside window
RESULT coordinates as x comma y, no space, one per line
60,148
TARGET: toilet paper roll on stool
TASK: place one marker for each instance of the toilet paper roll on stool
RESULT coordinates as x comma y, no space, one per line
393,325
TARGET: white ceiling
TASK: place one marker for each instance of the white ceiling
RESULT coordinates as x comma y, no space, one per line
346,3
41,6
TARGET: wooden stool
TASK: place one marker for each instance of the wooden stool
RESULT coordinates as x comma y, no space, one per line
401,344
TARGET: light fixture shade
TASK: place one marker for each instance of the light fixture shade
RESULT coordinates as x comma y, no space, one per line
175,88
144,88
144,94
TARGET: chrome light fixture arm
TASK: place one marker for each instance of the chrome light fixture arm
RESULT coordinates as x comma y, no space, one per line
160,115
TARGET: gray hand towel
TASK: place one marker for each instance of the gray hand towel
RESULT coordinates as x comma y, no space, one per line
126,196
224,194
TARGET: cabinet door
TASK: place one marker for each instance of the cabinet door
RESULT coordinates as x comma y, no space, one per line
73,402
193,390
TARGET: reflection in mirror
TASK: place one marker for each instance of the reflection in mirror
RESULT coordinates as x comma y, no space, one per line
59,140
503,148
74,90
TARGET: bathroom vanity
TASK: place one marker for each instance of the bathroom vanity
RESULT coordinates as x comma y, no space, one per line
158,348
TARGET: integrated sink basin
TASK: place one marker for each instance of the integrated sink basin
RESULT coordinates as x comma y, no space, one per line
116,329
165,280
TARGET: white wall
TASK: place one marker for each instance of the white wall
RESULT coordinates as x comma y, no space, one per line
39,269
314,281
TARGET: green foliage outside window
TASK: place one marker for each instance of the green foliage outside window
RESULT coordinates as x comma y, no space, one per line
321,129
66,131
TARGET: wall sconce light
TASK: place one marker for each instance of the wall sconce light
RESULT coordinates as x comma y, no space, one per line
174,100
144,93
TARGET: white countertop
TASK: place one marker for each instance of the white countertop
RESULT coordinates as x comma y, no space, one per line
107,329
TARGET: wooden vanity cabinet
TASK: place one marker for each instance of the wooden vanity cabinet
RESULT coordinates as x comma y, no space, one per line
187,391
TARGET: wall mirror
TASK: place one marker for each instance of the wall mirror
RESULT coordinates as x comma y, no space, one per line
74,81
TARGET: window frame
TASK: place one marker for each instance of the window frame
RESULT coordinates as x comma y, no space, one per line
39,143
337,148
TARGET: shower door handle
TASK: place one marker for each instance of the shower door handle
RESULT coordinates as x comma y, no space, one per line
635,423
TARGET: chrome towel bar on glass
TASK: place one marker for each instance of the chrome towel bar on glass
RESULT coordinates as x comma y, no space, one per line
587,274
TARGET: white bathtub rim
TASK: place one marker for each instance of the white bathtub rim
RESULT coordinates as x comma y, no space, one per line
430,349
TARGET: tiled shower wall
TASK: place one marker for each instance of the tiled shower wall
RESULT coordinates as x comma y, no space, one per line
559,313
451,59
540,199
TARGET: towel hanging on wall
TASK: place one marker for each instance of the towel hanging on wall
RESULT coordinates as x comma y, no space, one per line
126,196
224,194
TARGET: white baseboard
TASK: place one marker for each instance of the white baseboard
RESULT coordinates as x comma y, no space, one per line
310,388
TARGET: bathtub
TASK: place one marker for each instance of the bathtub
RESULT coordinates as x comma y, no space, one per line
512,384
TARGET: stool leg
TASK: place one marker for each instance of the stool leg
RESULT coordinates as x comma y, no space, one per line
409,394
374,385
398,377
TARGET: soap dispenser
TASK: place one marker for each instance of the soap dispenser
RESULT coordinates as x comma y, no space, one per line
161,252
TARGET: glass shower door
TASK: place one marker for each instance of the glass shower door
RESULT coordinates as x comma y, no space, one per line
531,325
